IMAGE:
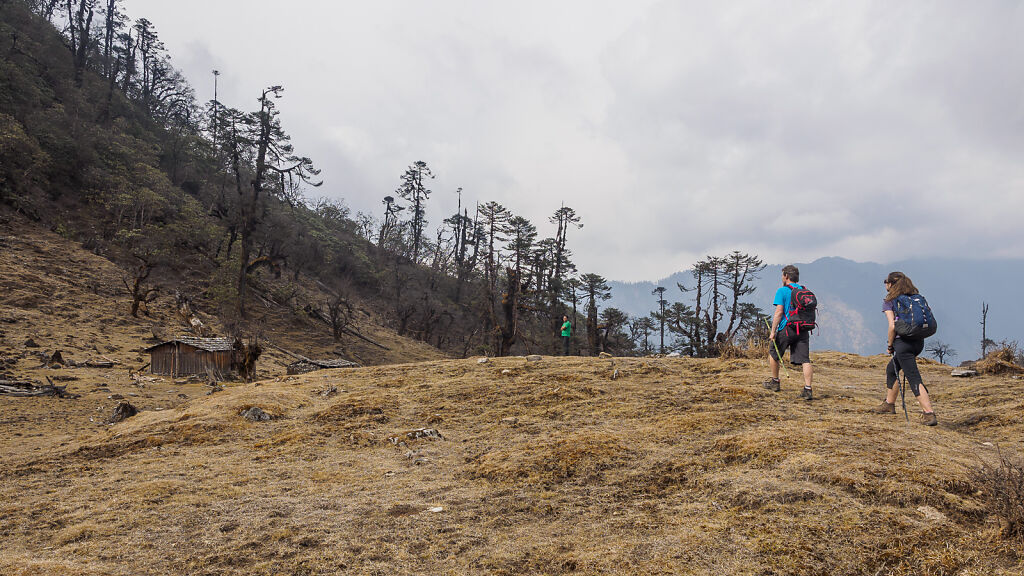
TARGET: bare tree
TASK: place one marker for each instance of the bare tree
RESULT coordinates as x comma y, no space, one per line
339,312
985,341
939,350
141,295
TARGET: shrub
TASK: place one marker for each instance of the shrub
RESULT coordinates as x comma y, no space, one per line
1002,486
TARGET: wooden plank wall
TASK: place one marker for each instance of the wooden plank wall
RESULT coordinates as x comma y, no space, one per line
183,360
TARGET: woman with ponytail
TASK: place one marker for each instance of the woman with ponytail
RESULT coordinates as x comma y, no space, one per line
904,351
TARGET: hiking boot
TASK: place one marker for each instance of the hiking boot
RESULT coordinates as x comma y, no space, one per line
929,419
884,408
807,394
772,384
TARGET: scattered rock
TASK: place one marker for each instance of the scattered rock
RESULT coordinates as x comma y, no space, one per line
673,355
123,412
183,396
420,461
604,355
115,397
435,509
428,433
534,358
932,514
615,374
483,360
986,444
255,414
963,373
328,392
506,371
30,343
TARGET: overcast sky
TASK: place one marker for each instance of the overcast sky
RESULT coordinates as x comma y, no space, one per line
793,130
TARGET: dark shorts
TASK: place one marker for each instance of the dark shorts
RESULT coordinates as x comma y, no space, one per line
799,346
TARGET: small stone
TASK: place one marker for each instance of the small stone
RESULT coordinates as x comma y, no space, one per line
30,343
963,373
435,510
116,397
987,444
255,414
534,358
604,355
506,371
483,360
615,374
932,514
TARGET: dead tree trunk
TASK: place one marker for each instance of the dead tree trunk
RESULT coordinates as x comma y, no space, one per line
140,294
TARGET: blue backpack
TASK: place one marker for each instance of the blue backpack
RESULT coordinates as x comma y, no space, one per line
914,317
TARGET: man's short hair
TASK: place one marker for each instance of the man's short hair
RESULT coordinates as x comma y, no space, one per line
791,272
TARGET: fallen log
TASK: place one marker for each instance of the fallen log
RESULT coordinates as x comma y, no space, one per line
24,388
352,332
279,349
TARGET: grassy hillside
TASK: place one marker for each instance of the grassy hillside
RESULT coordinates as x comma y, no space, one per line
614,466
66,298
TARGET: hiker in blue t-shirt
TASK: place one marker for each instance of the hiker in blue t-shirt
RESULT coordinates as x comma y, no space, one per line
784,337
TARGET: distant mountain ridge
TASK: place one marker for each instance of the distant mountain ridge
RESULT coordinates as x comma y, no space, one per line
850,299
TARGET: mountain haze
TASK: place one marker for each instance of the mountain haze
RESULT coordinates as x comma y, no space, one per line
850,299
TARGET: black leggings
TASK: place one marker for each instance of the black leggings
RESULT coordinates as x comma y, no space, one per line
905,358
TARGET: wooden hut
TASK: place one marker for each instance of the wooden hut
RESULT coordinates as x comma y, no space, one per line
306,365
186,355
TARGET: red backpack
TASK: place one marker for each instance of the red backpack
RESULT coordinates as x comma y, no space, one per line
803,305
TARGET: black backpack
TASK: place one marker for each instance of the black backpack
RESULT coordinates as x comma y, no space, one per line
915,318
803,305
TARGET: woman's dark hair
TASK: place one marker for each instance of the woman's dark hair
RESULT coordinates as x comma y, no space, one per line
791,272
899,284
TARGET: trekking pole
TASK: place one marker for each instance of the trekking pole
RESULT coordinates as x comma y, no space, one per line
903,386
771,337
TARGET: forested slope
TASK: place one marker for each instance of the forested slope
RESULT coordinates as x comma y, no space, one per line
103,142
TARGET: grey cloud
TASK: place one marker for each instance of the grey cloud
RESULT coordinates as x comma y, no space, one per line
676,129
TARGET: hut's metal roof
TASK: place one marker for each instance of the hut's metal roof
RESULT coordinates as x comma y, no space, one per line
207,344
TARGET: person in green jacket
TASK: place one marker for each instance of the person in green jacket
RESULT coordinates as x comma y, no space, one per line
566,333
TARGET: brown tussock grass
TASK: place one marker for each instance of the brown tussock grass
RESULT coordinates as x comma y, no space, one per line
678,466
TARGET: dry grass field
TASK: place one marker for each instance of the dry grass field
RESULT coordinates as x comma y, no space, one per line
675,466
560,466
